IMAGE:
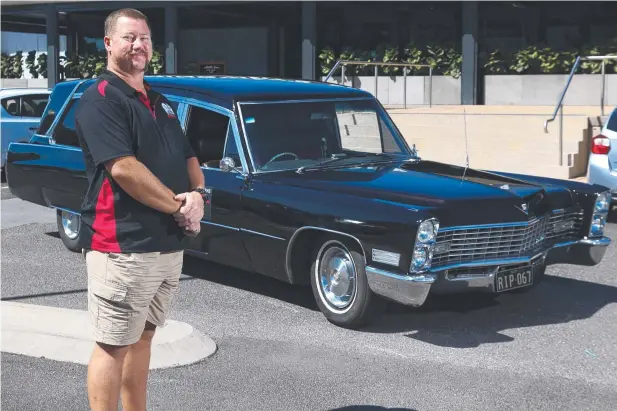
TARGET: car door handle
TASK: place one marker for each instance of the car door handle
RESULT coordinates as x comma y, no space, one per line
33,128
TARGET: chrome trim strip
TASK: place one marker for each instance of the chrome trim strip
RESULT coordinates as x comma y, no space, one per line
251,165
295,235
480,226
262,234
308,100
486,263
219,225
404,289
68,210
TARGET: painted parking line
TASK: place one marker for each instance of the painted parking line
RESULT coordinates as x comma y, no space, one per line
64,334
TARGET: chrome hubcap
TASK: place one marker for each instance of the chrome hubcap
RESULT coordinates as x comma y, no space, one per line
337,277
70,224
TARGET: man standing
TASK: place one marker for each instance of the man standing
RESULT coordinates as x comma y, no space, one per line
145,194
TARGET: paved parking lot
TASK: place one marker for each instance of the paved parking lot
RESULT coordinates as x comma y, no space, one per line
552,348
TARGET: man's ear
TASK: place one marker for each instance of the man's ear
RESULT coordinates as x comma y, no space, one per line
107,42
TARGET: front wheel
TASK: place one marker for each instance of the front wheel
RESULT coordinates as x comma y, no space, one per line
340,286
68,228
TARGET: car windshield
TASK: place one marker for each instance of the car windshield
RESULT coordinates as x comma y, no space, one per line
291,135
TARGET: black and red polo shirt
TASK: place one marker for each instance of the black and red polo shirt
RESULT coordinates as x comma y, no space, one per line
113,120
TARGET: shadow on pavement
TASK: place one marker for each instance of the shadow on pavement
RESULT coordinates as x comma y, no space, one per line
369,408
465,321
254,283
457,321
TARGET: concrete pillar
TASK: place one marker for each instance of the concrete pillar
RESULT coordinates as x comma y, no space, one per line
171,39
309,39
469,76
53,42
273,49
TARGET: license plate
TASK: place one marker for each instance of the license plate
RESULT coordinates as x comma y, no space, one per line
515,278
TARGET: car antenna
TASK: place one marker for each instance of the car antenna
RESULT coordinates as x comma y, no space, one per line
466,147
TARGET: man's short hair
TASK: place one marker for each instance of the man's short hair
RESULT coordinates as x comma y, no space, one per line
112,19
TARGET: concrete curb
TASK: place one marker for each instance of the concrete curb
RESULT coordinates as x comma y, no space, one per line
63,334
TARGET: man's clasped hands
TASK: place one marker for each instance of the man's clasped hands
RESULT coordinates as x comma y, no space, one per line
190,213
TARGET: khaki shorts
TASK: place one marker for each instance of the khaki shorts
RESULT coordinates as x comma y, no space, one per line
126,289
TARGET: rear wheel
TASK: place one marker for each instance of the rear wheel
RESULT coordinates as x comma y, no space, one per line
68,228
340,286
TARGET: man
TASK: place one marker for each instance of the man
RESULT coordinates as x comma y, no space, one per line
145,193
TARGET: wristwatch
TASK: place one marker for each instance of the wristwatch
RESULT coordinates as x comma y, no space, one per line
201,191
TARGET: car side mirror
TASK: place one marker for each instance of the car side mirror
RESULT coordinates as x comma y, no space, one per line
227,164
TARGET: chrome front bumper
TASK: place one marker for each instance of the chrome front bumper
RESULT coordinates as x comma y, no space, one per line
414,289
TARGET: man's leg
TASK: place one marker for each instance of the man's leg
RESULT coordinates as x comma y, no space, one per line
135,371
167,272
104,374
120,290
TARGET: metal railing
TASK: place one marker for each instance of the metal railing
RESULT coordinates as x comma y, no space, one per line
343,63
559,107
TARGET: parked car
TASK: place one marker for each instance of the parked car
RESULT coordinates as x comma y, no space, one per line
21,113
312,183
602,167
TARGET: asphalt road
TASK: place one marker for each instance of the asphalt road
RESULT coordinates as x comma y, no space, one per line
552,348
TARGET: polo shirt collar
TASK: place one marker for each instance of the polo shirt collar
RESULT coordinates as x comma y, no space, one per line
122,85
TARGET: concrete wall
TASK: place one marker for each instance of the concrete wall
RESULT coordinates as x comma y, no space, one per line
390,90
545,89
23,83
526,90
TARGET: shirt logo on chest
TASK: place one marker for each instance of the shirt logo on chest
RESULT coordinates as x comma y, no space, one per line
168,110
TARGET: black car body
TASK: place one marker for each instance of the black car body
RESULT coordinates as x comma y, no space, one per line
312,183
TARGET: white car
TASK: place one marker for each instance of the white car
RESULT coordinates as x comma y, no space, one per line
602,167
21,113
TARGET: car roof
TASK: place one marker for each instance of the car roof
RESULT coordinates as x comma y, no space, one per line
21,91
246,88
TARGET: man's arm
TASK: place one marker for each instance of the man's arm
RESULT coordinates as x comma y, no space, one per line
142,185
104,127
196,175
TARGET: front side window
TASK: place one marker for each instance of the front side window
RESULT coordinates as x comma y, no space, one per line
289,135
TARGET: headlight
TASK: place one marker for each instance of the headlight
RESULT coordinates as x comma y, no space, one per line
424,244
600,212
603,203
427,231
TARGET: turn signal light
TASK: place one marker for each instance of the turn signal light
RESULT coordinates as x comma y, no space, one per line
600,144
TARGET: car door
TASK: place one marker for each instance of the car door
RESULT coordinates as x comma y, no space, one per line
20,117
213,134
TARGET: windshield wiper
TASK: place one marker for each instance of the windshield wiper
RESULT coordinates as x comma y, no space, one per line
337,157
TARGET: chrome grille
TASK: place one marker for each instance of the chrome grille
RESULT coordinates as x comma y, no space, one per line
564,225
477,244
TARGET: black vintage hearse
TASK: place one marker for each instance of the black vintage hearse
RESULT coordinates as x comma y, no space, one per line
313,183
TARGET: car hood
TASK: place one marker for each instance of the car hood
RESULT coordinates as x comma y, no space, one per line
451,193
